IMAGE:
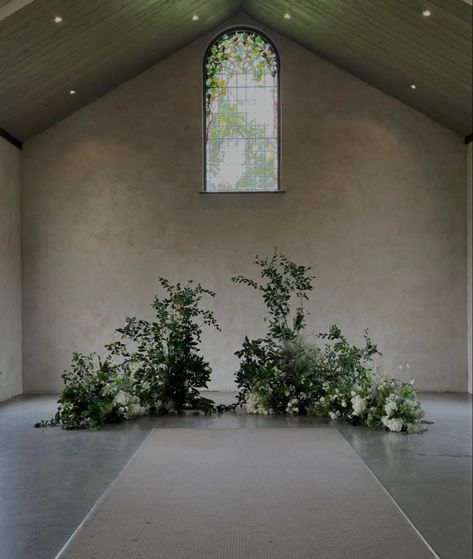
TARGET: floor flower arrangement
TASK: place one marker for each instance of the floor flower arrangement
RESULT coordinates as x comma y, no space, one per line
157,367
285,373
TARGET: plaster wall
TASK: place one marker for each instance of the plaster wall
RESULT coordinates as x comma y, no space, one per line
10,272
375,203
470,264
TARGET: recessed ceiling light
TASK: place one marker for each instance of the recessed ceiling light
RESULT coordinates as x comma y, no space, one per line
426,13
413,86
287,15
72,92
57,19
195,17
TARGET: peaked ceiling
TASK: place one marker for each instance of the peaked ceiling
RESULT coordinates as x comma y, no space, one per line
102,43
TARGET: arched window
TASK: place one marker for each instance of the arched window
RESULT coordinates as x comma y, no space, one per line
241,72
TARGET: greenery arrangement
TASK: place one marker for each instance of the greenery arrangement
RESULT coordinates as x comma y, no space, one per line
154,368
157,368
96,392
283,373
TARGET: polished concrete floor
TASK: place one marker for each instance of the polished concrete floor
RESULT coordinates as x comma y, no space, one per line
50,478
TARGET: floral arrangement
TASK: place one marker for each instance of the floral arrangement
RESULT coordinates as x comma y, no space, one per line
96,392
154,368
283,373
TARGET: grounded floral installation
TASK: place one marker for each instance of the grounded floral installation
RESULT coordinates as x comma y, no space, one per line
154,368
284,373
157,368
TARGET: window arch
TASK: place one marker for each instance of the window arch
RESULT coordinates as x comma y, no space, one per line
241,113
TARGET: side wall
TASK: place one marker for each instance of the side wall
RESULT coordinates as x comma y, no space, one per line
375,202
10,272
470,264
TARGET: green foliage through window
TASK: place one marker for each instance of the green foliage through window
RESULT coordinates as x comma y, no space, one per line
241,106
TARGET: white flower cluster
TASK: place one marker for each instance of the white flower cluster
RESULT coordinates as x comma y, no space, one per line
393,424
293,407
390,406
359,404
127,405
254,405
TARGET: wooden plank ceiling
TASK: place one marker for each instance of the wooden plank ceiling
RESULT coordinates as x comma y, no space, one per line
98,45
391,45
102,43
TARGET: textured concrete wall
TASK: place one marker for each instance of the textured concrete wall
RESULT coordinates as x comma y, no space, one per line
470,263
10,271
375,202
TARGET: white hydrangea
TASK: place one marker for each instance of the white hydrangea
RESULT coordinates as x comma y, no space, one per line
359,404
128,405
253,404
121,398
393,424
135,409
293,406
390,407
334,415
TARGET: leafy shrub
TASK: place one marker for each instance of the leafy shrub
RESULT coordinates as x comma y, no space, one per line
343,370
284,283
282,373
268,370
393,404
168,368
155,367
96,392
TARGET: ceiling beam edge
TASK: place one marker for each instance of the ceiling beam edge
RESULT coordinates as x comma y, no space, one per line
10,138
12,6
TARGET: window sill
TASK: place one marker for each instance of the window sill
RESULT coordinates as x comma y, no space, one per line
233,192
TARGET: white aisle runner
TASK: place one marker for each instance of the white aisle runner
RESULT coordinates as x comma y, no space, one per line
246,493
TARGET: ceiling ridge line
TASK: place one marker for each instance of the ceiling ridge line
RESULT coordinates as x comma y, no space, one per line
10,138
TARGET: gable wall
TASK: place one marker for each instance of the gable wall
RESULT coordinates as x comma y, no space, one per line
375,202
